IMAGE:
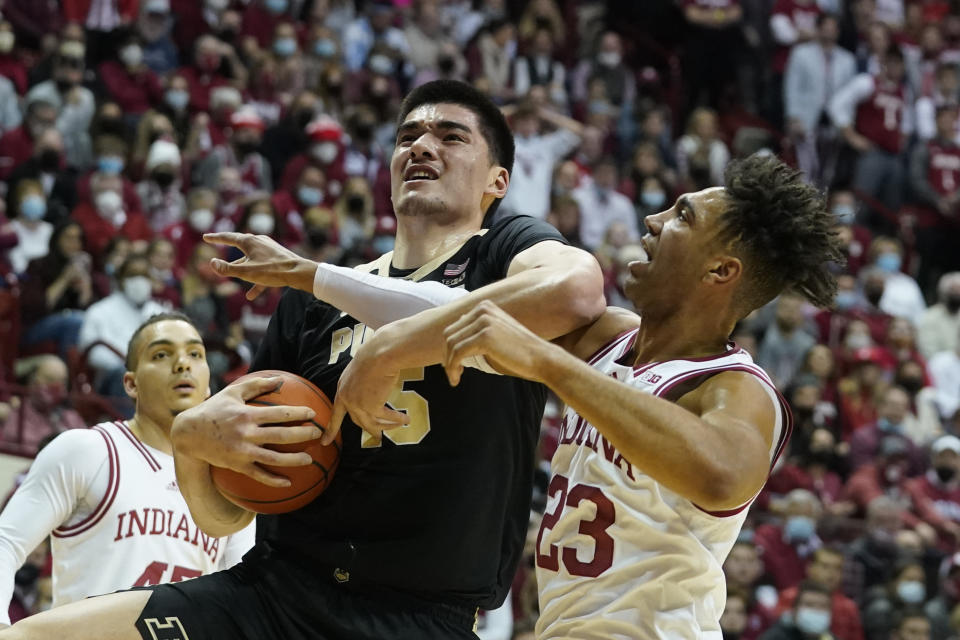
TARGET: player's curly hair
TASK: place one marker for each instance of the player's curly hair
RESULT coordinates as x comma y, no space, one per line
781,229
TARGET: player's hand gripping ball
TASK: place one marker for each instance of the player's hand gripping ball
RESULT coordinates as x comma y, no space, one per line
306,482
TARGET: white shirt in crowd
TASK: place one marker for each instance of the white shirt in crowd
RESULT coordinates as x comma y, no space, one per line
532,175
32,242
113,320
598,210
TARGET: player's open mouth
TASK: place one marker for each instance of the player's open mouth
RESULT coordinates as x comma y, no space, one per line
420,172
185,386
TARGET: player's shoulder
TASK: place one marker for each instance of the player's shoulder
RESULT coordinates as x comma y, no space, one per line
514,227
77,446
590,340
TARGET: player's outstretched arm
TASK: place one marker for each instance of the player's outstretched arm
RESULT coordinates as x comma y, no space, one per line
224,431
711,447
550,288
63,472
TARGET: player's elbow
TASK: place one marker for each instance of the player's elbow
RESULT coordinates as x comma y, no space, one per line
580,288
728,487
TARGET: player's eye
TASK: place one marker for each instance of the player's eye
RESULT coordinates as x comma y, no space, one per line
159,355
405,138
453,136
196,354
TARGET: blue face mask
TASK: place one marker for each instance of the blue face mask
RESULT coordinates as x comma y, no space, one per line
912,592
889,262
745,535
844,213
177,98
653,199
885,425
276,6
285,47
799,528
812,621
110,165
309,196
33,208
846,300
325,48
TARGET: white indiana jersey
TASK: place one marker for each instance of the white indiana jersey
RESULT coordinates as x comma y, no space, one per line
116,514
619,555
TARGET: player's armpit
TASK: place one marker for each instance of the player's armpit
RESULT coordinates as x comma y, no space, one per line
743,413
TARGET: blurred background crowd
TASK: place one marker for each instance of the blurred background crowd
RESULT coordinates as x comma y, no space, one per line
130,127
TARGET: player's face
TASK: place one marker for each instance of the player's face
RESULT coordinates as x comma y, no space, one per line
683,246
171,373
441,164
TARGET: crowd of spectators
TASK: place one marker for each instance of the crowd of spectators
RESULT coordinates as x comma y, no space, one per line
128,128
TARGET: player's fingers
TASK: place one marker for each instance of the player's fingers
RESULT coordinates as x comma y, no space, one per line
281,413
281,458
263,476
250,389
336,419
454,372
255,291
286,435
388,418
229,238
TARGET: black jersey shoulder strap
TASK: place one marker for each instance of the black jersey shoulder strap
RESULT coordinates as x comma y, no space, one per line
381,266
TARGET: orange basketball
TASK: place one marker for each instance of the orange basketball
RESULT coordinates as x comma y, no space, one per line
306,482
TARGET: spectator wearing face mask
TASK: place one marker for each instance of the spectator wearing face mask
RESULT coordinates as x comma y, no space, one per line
164,273
309,192
113,321
241,152
854,237
939,326
73,102
155,27
901,293
923,424
826,570
17,145
906,591
810,616
130,82
106,216
785,341
111,163
785,548
325,151
935,496
261,18
33,233
44,410
743,571
204,74
374,26
176,105
608,66
46,166
159,192
201,216
892,411
153,126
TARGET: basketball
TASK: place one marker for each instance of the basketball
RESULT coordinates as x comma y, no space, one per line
306,482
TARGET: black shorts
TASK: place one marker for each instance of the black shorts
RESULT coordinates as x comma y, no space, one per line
269,597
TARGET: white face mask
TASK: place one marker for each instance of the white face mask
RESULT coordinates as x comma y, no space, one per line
325,152
201,220
132,55
609,58
261,223
6,41
108,204
138,289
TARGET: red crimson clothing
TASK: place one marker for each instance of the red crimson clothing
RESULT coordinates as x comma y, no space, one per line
131,201
14,70
880,116
832,325
200,84
77,10
99,232
865,446
783,561
185,239
867,483
32,19
334,172
253,316
134,92
16,146
844,616
857,410
759,619
828,487
936,504
260,23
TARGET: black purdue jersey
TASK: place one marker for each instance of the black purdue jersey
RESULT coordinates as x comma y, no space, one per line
439,507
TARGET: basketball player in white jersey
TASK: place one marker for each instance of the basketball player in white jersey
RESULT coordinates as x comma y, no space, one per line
670,430
108,495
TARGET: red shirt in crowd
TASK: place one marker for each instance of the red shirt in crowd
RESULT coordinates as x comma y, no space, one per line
936,504
827,487
99,232
880,117
200,84
135,92
844,616
14,70
16,146
77,10
781,559
943,166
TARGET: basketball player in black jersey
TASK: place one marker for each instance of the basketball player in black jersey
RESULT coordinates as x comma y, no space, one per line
426,519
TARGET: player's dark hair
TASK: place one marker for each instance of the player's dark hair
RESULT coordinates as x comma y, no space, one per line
130,362
781,229
493,125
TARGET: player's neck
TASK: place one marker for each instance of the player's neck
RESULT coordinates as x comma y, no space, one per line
151,432
686,335
420,239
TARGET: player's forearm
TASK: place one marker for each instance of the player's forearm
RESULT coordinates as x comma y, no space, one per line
215,515
673,446
549,301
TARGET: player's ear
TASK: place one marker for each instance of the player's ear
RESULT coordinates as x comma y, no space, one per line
130,384
498,179
723,270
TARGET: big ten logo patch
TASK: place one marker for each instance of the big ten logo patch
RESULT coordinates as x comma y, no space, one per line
170,629
650,377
